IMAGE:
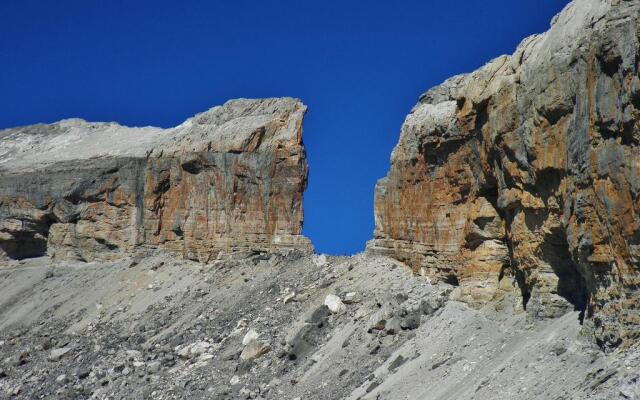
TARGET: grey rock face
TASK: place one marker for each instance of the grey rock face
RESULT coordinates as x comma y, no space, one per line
523,176
230,179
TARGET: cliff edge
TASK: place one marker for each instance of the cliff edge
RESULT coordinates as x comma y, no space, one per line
524,176
230,179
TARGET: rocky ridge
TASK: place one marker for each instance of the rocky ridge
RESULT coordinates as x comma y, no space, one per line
524,176
228,180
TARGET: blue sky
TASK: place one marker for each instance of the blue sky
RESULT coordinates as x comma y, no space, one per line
358,65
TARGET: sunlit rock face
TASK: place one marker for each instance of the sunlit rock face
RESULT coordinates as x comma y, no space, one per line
230,179
524,176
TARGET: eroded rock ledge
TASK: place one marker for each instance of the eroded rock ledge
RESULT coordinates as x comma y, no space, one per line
524,176
227,180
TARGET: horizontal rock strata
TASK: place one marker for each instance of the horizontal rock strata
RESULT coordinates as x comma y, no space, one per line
227,180
524,175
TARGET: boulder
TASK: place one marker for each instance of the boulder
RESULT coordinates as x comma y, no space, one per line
254,349
193,350
249,336
334,303
57,354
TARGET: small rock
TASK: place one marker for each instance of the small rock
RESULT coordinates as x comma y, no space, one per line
396,363
234,380
401,297
194,349
372,386
61,379
410,321
430,306
320,260
377,321
392,326
254,349
630,392
47,344
274,382
118,367
158,265
154,366
325,283
15,361
251,335
559,349
135,260
57,354
247,394
83,373
133,355
289,298
350,298
334,303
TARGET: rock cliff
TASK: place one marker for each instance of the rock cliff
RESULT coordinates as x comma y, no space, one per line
524,176
227,180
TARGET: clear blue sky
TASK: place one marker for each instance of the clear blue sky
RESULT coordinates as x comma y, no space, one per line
358,65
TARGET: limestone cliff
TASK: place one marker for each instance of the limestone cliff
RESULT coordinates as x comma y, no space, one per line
229,179
524,176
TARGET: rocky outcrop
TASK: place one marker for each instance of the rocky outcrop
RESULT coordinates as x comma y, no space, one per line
227,180
524,176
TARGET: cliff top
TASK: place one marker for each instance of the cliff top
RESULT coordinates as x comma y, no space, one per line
534,52
238,125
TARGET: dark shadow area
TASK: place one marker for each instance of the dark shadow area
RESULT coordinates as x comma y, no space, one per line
24,245
571,285
525,291
452,280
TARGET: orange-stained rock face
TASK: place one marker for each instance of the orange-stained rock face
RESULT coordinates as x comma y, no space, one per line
228,180
523,176
233,201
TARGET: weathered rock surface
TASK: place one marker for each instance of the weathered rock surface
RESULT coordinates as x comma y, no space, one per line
525,175
229,179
